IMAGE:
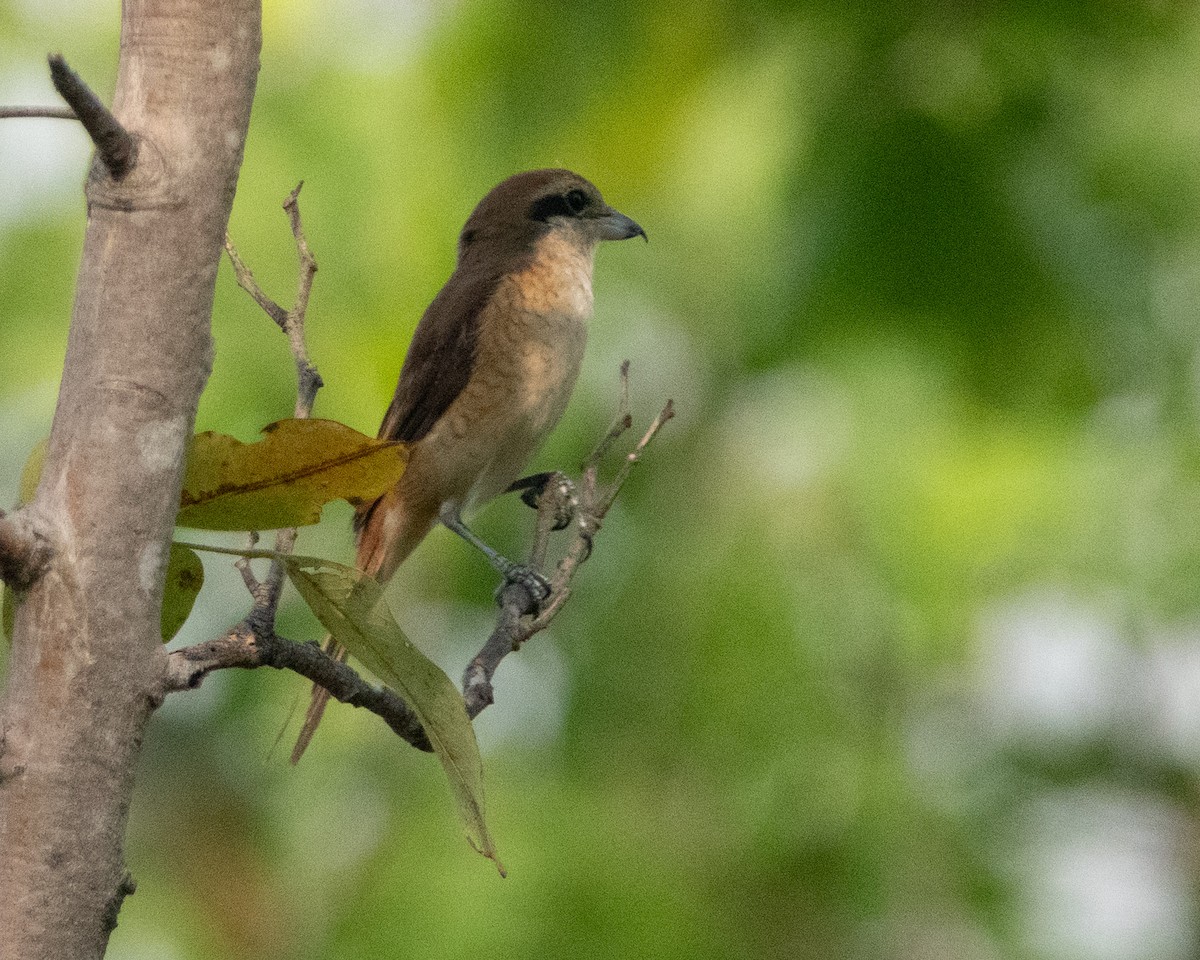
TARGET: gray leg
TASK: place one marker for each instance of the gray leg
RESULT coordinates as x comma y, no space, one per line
533,581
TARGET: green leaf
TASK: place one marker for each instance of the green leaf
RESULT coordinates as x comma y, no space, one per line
349,604
286,478
185,577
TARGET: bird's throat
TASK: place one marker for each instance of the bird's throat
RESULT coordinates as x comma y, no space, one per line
558,279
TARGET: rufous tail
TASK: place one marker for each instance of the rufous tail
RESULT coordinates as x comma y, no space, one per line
378,555
317,704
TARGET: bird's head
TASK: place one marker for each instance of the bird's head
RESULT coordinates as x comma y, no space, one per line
516,213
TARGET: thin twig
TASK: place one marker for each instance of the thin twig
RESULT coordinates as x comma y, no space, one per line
308,380
243,567
308,265
633,458
246,281
47,113
621,422
116,146
520,616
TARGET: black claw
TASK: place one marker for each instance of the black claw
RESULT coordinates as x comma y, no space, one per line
533,488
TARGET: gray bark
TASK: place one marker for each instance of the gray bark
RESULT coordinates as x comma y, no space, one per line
87,665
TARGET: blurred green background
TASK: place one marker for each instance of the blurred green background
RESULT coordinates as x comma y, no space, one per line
892,647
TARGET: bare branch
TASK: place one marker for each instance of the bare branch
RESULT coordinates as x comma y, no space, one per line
24,551
253,643
243,567
633,458
47,113
516,601
308,265
308,382
247,282
520,617
621,422
115,145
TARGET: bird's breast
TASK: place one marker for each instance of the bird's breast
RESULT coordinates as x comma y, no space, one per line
530,349
540,328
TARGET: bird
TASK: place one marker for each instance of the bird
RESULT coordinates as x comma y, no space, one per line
488,373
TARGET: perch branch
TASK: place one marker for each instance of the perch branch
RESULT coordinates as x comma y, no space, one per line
254,643
115,145
520,617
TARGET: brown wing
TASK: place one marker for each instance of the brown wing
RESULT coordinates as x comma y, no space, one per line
438,365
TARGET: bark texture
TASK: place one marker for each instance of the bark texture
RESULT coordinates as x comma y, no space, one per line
87,665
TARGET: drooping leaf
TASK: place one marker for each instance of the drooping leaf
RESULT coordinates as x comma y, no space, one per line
286,478
349,604
185,577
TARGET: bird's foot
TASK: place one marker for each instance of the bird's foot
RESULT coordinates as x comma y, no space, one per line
537,585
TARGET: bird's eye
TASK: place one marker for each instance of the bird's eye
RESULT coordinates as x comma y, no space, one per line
569,204
576,200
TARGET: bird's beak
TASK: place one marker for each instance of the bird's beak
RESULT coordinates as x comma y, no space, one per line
617,226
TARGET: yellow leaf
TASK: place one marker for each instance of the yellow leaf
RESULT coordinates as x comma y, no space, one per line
286,478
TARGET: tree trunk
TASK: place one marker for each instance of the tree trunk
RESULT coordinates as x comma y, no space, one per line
87,664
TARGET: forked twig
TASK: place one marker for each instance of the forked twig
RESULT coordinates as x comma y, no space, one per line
520,616
253,642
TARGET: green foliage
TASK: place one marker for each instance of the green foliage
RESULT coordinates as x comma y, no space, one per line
184,578
286,478
923,283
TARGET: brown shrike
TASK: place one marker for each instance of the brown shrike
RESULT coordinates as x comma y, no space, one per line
489,370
